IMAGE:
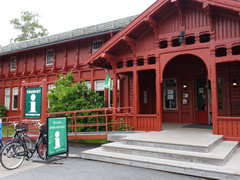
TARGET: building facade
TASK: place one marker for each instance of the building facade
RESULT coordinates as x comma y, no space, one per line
178,62
45,58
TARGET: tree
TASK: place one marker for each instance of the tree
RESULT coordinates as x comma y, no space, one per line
29,26
69,96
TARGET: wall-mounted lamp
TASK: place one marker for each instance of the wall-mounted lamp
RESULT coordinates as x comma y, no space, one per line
184,86
234,84
181,37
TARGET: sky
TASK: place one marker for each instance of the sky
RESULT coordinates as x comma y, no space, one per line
63,15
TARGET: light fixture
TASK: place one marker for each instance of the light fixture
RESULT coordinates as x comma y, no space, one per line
234,84
184,86
181,37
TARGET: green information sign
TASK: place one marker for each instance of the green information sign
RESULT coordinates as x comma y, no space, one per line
57,136
33,103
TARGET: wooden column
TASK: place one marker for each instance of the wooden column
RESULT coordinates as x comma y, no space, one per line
158,96
135,98
44,101
214,97
115,89
22,102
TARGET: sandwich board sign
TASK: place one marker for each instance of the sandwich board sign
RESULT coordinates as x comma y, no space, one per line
33,103
57,136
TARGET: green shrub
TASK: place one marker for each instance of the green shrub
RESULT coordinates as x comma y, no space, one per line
3,111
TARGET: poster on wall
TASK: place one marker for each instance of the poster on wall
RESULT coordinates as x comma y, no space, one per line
33,103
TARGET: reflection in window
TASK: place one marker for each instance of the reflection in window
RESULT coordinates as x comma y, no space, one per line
170,94
201,95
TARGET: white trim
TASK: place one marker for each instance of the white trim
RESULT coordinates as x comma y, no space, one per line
14,93
7,98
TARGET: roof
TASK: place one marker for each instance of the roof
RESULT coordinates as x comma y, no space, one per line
67,36
233,5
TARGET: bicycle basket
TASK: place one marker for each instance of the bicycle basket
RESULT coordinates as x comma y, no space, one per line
22,126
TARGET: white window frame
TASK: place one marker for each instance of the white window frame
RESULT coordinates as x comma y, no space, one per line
51,86
7,98
88,84
13,63
97,44
50,59
96,82
14,93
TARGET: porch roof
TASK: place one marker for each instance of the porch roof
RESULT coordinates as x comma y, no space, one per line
100,57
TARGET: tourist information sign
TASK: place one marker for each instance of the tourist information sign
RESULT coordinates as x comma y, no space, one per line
33,103
57,136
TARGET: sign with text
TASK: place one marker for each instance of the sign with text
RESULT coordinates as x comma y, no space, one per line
57,136
33,103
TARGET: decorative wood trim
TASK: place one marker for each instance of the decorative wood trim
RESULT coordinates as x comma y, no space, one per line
152,23
180,13
131,42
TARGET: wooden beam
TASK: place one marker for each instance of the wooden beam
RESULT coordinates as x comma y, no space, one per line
208,12
109,56
153,24
131,42
179,7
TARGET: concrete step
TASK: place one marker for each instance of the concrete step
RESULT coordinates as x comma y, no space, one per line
218,156
191,140
226,172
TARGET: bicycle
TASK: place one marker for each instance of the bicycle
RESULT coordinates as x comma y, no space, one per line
13,154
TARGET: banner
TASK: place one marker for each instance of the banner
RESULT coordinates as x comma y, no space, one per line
108,82
33,103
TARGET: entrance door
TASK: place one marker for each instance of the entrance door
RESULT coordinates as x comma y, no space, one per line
201,101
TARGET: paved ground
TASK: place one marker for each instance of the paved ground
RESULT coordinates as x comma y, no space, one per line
77,168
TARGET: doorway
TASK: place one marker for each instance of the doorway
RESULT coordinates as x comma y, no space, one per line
186,91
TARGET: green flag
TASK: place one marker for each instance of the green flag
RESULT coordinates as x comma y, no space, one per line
108,82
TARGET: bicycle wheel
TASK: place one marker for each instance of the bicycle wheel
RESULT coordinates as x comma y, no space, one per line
42,149
28,142
12,155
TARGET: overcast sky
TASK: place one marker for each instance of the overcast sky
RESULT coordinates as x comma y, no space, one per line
63,15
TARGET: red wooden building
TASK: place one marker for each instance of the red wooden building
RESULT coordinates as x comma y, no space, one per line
178,62
45,58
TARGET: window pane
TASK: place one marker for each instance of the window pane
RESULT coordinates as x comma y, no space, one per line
88,84
99,85
7,98
49,57
15,98
170,94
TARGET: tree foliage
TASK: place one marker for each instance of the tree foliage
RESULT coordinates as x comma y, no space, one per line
29,26
3,111
69,95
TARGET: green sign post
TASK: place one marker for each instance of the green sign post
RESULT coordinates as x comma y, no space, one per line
33,103
57,136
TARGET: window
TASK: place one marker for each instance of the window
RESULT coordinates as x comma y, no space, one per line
170,94
7,98
49,57
13,63
96,45
99,87
88,84
51,86
15,98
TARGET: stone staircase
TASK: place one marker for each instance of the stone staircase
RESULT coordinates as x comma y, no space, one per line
192,152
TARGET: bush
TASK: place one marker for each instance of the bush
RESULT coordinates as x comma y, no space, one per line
69,96
3,111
